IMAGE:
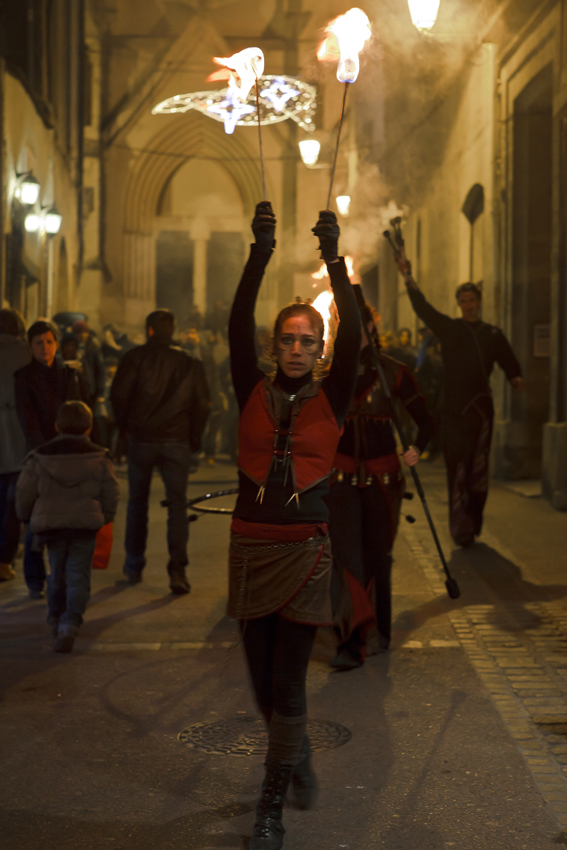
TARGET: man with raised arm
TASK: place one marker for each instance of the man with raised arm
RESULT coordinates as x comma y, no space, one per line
469,348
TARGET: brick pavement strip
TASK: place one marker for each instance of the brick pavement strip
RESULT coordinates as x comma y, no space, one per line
512,666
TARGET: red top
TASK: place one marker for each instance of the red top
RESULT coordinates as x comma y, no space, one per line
313,435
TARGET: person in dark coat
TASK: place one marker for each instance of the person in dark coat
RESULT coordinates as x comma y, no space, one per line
367,486
67,491
14,354
406,353
93,368
469,348
160,398
41,388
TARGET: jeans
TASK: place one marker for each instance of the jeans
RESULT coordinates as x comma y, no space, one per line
34,567
9,522
69,584
173,461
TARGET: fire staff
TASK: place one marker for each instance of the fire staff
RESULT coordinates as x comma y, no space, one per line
469,348
365,499
280,555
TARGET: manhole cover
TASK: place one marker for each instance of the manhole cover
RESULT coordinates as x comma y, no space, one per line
246,736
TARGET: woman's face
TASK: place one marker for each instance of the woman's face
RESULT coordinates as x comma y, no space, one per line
298,346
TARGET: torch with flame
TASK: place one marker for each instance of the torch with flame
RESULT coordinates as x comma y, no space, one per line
324,303
248,64
347,36
322,271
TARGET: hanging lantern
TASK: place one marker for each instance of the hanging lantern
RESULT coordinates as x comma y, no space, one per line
309,150
53,221
423,13
28,188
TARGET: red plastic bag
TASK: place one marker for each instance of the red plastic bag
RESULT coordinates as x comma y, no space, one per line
103,547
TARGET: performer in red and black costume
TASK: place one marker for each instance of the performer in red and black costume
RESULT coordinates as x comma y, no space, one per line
367,487
280,556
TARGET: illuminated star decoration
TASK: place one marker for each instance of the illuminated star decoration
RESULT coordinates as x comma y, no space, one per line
298,107
230,110
278,93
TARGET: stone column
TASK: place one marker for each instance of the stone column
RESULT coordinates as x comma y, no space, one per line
139,277
200,234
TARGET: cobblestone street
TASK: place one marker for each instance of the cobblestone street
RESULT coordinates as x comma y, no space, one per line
458,735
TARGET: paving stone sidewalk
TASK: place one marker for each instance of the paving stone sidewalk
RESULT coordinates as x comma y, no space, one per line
458,736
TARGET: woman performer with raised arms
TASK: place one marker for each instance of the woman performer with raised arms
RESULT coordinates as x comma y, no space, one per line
280,556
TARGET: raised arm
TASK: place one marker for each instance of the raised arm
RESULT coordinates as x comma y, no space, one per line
241,327
340,383
438,322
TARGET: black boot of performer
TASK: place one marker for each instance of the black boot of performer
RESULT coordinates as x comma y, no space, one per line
303,780
268,830
349,654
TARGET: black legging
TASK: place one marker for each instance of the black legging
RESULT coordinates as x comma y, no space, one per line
278,653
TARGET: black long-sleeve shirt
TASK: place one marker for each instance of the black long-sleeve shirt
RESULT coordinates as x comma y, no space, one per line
376,437
469,351
278,504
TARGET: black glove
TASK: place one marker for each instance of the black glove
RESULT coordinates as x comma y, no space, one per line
328,231
264,225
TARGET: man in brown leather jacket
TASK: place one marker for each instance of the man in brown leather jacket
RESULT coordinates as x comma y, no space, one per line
160,399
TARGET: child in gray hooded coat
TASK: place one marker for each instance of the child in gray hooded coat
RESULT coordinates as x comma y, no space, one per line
67,490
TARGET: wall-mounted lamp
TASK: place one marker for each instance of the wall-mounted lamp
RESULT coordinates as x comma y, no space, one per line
53,221
27,189
309,150
424,13
32,223
343,204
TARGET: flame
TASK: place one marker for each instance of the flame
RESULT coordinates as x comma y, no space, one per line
348,35
322,271
323,306
248,65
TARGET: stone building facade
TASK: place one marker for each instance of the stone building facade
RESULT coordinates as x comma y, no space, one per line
461,129
474,151
41,114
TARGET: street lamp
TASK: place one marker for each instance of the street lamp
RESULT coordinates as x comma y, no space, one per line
343,204
53,221
28,190
32,223
423,13
309,150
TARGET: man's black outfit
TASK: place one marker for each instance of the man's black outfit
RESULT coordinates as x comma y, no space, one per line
469,351
40,391
160,398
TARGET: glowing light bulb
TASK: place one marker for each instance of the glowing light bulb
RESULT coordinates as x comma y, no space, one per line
309,150
29,190
423,13
53,221
32,223
343,204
